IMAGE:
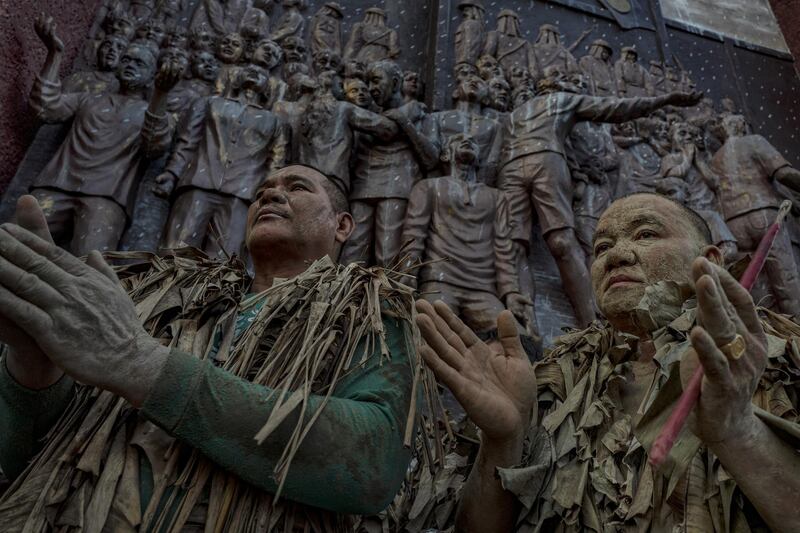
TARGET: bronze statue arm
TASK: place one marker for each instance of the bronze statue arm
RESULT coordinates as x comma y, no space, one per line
189,135
615,110
366,121
415,230
504,253
789,177
426,150
47,98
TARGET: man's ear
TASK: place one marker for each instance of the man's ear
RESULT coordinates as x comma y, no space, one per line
713,254
345,226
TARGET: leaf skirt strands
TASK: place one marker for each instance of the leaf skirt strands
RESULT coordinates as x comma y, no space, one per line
302,341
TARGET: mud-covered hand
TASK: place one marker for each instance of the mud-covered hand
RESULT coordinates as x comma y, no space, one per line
45,28
78,313
497,390
725,311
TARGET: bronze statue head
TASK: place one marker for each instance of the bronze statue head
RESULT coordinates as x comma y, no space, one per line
355,69
499,94
205,66
267,53
110,51
488,67
508,23
521,95
471,89
385,81
463,150
324,60
136,67
601,50
471,9
734,126
375,16
122,24
412,87
230,48
357,93
519,77
202,38
294,49
548,34
175,56
152,30
464,70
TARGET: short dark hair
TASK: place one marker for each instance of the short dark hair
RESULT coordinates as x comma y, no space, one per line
336,196
697,222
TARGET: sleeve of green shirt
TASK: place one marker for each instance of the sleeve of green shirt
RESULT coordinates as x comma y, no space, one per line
25,418
352,460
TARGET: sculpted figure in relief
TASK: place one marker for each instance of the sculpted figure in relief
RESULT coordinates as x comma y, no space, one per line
87,188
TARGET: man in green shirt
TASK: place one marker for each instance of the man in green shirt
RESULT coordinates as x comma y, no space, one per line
133,435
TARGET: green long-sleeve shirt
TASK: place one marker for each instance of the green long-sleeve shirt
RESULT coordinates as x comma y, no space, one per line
352,461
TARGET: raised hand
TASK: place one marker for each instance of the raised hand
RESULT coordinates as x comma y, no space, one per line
496,389
731,345
77,312
168,75
685,99
45,28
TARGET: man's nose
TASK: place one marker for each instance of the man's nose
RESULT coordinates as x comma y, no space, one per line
621,254
273,195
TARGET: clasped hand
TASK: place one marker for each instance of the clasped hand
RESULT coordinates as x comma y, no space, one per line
75,313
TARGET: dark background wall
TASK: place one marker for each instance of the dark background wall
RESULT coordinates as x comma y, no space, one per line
21,55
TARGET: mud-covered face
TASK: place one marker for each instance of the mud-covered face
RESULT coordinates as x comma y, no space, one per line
136,67
231,48
357,93
110,52
294,50
267,54
205,66
499,94
640,240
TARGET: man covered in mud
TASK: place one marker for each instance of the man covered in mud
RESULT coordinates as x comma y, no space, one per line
564,446
116,426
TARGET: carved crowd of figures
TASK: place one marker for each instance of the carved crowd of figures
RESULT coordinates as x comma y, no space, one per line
535,138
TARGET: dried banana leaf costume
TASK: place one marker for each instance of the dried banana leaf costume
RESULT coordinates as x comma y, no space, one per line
586,467
305,391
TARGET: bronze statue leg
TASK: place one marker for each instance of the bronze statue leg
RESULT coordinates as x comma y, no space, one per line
434,290
780,269
230,220
188,219
359,246
389,217
59,210
99,223
551,195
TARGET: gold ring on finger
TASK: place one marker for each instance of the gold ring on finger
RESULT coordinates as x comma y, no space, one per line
734,349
